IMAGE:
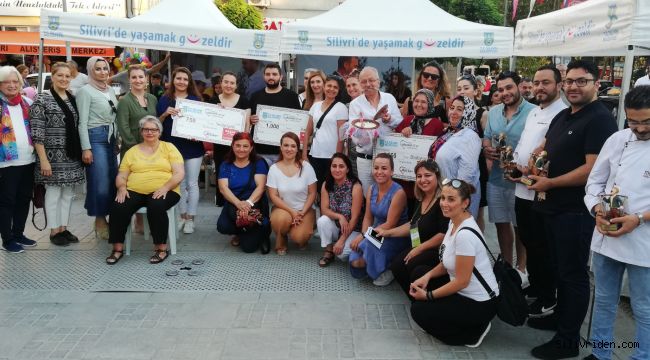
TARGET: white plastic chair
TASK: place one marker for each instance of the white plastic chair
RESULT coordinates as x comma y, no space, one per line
172,231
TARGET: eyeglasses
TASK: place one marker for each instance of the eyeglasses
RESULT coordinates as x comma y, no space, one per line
430,76
150,130
638,123
582,82
455,183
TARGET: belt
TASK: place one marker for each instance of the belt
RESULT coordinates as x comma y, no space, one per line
364,156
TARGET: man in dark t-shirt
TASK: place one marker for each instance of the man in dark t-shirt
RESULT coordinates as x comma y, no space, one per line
573,141
273,95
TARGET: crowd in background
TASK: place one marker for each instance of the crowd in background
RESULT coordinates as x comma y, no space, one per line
537,153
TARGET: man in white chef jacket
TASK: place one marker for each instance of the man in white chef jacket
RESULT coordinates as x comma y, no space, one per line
623,163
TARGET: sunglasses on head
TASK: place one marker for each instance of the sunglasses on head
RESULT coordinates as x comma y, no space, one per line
455,183
431,76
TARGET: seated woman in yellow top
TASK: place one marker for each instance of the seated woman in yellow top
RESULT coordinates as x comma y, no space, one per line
148,177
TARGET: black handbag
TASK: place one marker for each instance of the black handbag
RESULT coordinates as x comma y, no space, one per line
38,202
512,307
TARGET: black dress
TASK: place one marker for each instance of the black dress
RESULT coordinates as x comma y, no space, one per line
429,224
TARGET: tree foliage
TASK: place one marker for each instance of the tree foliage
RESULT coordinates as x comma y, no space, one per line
241,14
480,11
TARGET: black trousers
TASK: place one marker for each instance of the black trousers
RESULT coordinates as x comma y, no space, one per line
455,319
321,168
569,238
532,233
226,224
121,214
16,187
405,274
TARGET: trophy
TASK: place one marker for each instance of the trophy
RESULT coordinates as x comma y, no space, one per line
538,165
507,162
499,143
614,205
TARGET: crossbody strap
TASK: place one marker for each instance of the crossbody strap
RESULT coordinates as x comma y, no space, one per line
322,117
475,271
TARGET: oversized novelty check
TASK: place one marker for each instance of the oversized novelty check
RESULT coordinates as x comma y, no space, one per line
275,121
406,152
207,122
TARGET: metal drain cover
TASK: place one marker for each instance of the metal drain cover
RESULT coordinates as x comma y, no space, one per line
198,262
192,273
177,262
171,272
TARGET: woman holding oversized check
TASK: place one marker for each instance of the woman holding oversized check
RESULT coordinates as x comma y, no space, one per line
182,87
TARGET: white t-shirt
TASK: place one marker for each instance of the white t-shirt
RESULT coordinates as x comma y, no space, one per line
293,190
644,80
25,150
326,138
465,243
534,132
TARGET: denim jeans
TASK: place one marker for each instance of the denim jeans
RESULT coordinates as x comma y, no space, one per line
608,276
100,175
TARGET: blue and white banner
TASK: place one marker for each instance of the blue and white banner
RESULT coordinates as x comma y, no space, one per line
240,43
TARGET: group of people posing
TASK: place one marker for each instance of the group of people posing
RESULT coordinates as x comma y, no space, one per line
429,230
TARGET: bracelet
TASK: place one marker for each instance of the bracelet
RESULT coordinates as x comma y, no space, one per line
430,295
641,220
250,202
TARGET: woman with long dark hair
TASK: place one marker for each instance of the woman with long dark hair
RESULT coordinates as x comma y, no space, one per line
242,178
431,77
291,187
397,87
341,208
182,87
325,120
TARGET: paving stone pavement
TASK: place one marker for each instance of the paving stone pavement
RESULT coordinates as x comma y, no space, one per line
65,303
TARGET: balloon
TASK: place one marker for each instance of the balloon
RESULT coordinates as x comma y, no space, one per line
117,62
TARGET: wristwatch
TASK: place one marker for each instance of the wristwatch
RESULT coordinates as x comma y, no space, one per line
640,216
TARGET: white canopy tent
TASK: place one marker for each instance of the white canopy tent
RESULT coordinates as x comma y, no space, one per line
592,28
195,26
406,28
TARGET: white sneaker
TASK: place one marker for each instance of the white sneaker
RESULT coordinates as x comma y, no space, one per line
180,223
480,339
384,279
189,226
524,278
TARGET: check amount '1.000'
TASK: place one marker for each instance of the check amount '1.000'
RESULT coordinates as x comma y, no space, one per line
272,126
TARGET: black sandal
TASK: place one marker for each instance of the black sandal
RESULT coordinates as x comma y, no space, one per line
113,258
156,259
326,260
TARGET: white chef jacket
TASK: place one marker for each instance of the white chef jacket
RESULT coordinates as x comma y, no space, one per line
623,161
537,124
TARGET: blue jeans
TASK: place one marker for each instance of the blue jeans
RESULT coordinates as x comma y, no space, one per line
100,175
608,275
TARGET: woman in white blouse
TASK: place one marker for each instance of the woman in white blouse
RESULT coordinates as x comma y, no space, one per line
291,185
456,151
451,304
325,119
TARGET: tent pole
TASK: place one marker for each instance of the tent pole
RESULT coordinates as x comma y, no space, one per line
39,87
169,69
459,70
68,50
513,63
625,85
